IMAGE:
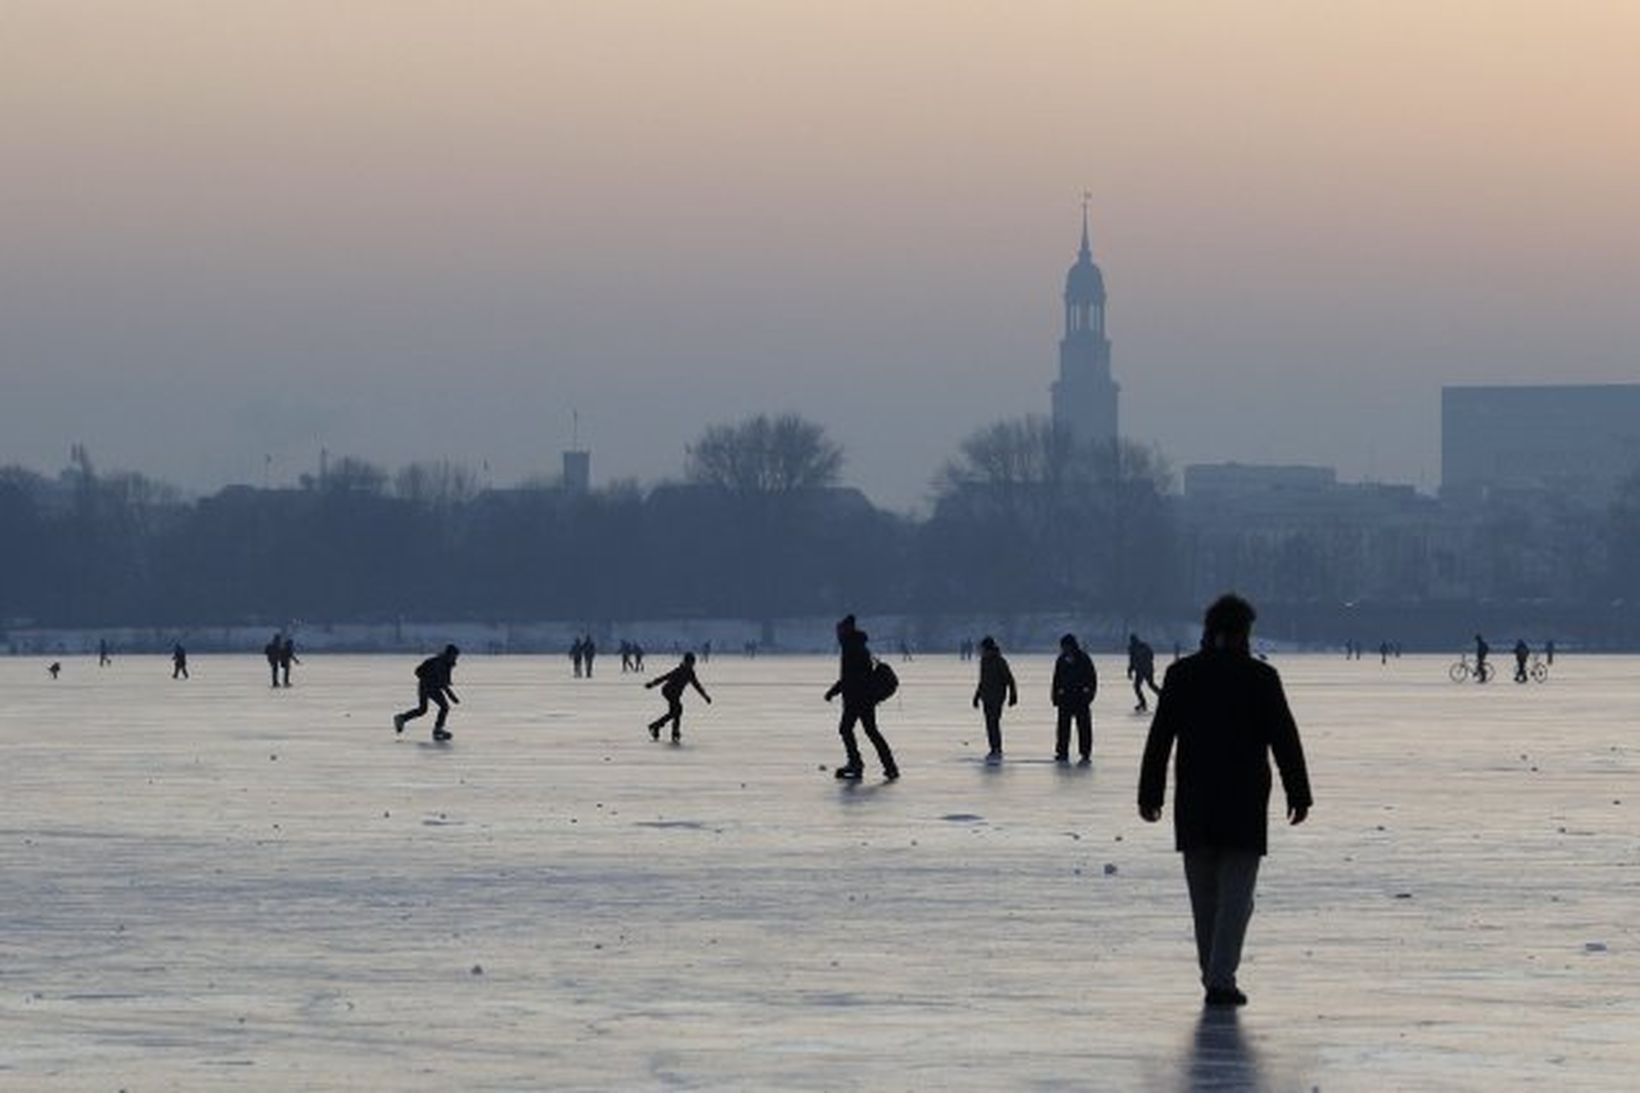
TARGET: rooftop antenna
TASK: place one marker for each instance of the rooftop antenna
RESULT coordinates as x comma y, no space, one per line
575,430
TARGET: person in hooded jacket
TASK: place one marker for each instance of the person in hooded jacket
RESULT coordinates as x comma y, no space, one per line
854,683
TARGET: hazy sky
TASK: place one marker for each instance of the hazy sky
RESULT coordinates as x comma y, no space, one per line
409,229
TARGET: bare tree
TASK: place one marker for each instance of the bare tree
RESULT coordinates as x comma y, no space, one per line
765,456
439,485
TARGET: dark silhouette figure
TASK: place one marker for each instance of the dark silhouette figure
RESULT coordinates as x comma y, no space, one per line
433,685
589,650
54,667
287,657
706,652
271,651
672,685
179,662
626,657
854,683
1228,712
1481,649
996,683
577,653
1383,652
1141,668
637,657
1549,651
103,659
1523,653
905,650
1074,685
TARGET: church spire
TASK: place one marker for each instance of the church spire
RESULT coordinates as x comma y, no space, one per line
1086,253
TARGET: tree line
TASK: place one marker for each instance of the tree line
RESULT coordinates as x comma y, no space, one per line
754,526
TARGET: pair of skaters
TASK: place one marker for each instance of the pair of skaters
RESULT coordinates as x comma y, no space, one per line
281,653
1075,684
433,677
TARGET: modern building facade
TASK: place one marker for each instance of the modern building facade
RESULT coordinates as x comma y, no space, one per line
1576,441
1085,394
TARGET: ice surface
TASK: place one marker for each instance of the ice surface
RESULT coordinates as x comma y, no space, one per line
210,883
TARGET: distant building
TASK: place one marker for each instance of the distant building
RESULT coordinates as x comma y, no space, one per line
1084,395
577,471
1244,481
1575,441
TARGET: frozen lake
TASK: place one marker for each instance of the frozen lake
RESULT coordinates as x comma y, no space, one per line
210,883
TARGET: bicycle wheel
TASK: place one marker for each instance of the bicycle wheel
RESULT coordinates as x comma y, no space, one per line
1458,672
1484,673
1540,672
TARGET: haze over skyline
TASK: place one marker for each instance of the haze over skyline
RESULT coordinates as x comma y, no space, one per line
428,230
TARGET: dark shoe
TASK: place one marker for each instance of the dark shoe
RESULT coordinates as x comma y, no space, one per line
442,735
851,773
1061,759
1085,761
1225,996
398,722
654,732
892,774
677,738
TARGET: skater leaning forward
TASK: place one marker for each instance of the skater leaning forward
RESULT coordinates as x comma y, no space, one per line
433,685
855,682
672,685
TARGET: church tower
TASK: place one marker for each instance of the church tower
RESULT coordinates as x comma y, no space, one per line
1084,396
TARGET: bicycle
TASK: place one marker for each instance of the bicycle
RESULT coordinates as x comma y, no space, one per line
1463,671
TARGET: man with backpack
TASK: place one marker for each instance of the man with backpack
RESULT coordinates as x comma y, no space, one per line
862,687
433,685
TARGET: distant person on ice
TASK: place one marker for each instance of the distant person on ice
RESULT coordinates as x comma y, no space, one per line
1074,684
589,650
271,651
860,698
1481,649
1523,653
1142,670
996,683
54,668
179,662
672,685
1228,713
433,685
103,659
287,657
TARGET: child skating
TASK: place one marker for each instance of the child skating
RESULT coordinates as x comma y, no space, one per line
433,685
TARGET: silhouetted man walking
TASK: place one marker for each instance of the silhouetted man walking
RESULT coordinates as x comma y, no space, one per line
996,683
271,651
1142,670
433,685
179,662
1523,652
1228,712
1481,649
672,685
1074,685
854,683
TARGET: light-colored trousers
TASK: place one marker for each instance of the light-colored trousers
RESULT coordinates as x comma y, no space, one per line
1221,899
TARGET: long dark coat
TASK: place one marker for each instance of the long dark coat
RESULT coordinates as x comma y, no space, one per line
1229,714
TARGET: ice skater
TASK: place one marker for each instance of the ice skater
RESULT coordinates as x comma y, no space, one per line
1523,653
287,657
1481,649
1228,713
179,662
996,683
54,667
1141,669
860,697
103,659
1074,685
433,685
672,685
